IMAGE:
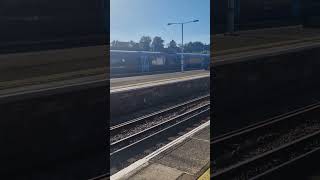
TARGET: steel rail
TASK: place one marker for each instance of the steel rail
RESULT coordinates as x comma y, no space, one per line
132,122
127,140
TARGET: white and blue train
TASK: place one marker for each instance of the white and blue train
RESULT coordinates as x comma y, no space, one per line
126,63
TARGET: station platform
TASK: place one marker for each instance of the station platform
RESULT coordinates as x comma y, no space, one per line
254,44
136,82
186,158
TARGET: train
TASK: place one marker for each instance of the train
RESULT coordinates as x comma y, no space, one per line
255,14
127,63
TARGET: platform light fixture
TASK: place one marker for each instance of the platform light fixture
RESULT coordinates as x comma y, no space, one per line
182,48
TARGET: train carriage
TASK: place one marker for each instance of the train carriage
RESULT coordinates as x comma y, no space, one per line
127,63
122,62
195,60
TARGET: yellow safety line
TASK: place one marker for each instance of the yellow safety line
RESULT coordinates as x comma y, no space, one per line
205,176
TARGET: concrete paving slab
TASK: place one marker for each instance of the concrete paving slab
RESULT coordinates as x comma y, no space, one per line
190,157
203,135
156,172
187,160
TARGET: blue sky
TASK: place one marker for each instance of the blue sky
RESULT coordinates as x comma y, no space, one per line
131,19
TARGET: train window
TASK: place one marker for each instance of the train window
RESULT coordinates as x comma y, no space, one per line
158,60
195,60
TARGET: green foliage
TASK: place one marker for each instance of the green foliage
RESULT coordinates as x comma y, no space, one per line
157,44
195,47
144,43
172,47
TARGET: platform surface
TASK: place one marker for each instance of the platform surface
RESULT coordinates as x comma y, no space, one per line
118,84
188,160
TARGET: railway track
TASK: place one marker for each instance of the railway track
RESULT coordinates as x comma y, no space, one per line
261,149
131,139
101,177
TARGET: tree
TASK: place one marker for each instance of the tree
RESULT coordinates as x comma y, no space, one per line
173,44
157,44
144,43
194,47
172,47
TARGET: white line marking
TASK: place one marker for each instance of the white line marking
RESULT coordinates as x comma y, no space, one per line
137,164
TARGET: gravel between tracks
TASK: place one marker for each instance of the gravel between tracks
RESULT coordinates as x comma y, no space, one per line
267,142
155,121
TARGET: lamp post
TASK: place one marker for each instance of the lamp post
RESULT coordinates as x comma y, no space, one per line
182,48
